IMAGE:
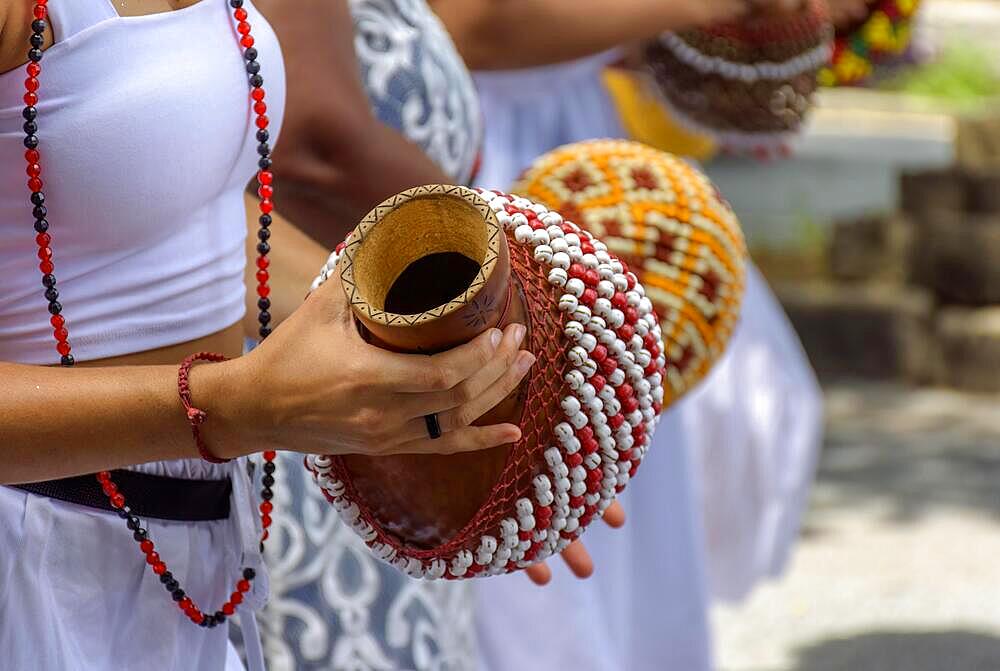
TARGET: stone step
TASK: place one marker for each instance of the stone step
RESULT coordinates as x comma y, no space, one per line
864,330
957,256
871,248
969,344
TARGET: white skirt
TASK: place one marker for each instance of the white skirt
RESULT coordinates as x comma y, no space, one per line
76,593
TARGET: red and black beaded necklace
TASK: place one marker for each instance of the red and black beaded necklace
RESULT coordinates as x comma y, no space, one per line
46,265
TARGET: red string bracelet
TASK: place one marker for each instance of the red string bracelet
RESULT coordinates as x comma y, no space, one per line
195,416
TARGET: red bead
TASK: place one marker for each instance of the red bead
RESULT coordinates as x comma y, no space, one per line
260,107
609,366
574,460
118,501
43,239
31,155
625,332
263,276
266,507
265,177
243,28
591,277
599,354
586,247
576,502
598,382
265,520
618,301
35,184
33,170
33,69
589,297
30,98
630,278
46,266
240,14
146,546
657,407
63,348
236,597
153,559
270,455
266,206
257,94
615,421
649,341
589,446
577,271
265,191
593,487
265,535
247,41
631,315
594,476
263,262
568,228
624,391
650,369
263,290
40,11
630,404
586,433
58,321
109,488
228,608
104,476
524,535
654,351
31,83
186,604
262,121
44,254
243,586
159,568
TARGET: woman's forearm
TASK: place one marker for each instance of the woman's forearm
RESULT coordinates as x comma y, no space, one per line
509,34
60,422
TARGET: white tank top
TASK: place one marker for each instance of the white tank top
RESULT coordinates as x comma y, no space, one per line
147,144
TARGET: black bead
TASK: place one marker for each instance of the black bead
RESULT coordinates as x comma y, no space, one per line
253,67
265,220
235,4
261,546
220,617
67,360
48,280
264,331
31,142
249,574
264,163
30,127
37,40
29,113
264,317
38,26
55,307
124,512
166,577
38,198
264,233
34,55
39,213
41,225
263,135
52,294
140,535
267,480
256,81
264,149
266,494
263,248
171,584
177,594
264,303
133,523
204,622
250,54
269,467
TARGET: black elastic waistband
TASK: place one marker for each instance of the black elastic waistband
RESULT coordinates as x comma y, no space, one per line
155,496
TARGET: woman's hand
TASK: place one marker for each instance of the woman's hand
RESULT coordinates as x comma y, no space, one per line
576,555
316,386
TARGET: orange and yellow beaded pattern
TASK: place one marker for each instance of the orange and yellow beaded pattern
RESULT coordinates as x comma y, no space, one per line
669,223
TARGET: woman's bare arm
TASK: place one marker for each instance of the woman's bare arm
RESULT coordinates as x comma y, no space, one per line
509,34
334,160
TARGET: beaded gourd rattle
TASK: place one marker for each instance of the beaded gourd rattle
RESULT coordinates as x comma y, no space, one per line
604,371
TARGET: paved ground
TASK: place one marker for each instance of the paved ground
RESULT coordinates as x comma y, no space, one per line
899,566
